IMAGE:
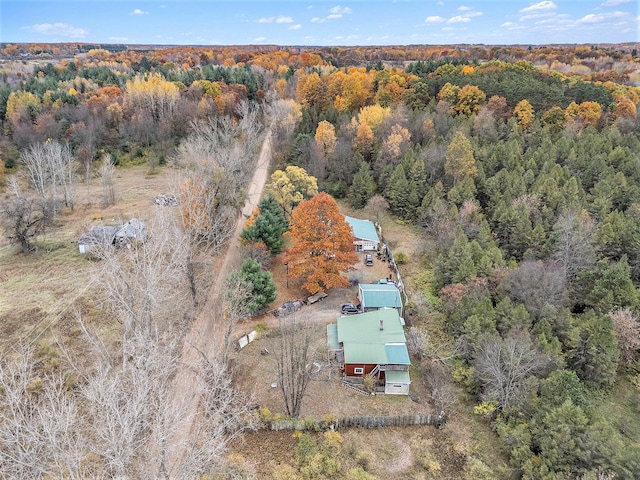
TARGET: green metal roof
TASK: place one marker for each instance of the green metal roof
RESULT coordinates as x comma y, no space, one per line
365,343
363,229
397,353
396,377
378,295
332,336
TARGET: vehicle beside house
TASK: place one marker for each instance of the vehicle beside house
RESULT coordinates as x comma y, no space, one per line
350,308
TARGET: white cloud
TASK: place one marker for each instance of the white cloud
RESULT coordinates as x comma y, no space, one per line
334,14
538,7
458,19
338,10
297,26
600,17
613,3
283,19
266,20
259,39
137,11
57,29
533,16
463,8
591,18
434,19
473,14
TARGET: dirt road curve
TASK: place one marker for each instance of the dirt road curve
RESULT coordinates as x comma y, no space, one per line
207,332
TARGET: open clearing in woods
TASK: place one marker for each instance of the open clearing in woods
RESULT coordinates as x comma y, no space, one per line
41,291
41,294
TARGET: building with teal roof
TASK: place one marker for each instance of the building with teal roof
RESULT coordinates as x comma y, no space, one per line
374,296
372,343
366,236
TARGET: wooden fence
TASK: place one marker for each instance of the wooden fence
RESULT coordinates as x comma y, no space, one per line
394,266
358,422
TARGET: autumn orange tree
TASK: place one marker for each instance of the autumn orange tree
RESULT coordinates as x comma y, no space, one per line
322,244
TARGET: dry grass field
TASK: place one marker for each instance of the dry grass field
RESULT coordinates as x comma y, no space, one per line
41,292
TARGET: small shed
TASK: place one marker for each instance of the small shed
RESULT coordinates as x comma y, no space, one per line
134,229
366,236
374,296
116,235
98,235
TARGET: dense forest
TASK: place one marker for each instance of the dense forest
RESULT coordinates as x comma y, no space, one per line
519,166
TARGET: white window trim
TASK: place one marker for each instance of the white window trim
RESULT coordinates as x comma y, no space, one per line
358,371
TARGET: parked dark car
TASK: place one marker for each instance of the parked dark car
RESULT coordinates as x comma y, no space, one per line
349,308
368,260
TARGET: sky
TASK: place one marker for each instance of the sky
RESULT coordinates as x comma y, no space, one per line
320,22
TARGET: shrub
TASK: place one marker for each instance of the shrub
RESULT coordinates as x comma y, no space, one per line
369,382
358,473
261,328
305,448
477,470
401,258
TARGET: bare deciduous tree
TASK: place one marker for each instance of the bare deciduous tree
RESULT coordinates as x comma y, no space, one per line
504,365
135,420
293,363
23,218
107,172
50,168
236,298
213,167
438,380
536,285
574,247
627,326
143,285
40,429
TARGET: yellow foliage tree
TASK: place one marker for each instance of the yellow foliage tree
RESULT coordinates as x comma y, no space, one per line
470,99
396,144
152,93
373,115
20,103
326,138
459,159
524,114
312,91
449,93
291,186
587,113
363,141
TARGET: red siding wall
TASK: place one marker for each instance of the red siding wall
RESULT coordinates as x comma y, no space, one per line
348,369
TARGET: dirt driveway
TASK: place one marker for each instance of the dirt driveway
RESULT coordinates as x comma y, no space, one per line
321,312
255,371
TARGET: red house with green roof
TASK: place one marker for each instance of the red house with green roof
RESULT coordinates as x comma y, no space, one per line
372,343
